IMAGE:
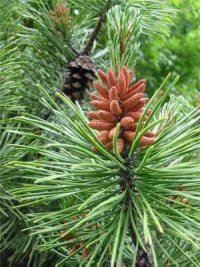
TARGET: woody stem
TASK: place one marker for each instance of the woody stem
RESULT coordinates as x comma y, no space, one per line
95,32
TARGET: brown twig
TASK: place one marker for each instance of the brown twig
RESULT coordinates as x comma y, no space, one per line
95,32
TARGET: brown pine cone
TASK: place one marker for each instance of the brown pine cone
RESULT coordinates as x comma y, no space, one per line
79,77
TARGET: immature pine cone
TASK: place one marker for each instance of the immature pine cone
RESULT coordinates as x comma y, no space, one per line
118,101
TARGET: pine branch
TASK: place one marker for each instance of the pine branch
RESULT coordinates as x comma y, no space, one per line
124,29
156,15
102,206
67,159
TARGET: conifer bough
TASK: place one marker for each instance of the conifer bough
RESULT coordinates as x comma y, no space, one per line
118,102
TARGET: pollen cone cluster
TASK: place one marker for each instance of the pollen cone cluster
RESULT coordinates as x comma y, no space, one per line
60,14
118,102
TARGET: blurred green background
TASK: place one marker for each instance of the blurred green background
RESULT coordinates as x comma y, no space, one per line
179,53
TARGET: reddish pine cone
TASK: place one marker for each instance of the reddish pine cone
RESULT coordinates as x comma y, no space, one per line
118,102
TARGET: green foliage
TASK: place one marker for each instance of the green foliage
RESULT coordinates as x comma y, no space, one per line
124,28
84,188
10,18
179,54
10,81
157,15
60,199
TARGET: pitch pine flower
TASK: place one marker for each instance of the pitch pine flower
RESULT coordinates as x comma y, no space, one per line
118,102
60,14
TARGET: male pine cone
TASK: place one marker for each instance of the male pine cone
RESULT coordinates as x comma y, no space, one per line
118,102
61,15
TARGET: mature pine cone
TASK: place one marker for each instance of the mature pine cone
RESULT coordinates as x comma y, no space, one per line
79,76
118,101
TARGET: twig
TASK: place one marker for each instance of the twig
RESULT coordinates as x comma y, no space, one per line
95,32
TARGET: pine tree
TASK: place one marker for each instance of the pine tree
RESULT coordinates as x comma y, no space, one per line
113,182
